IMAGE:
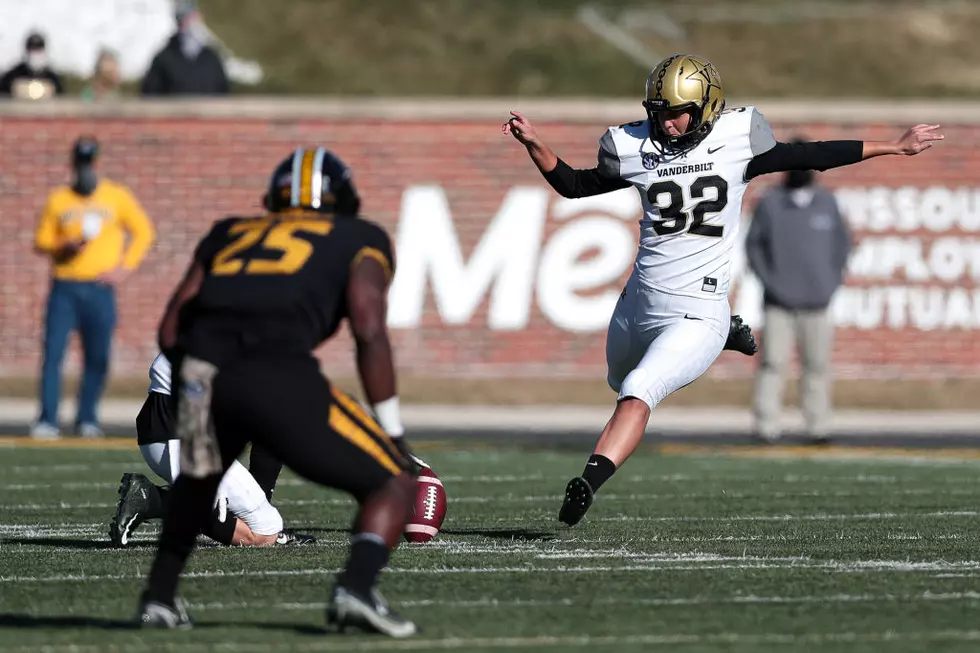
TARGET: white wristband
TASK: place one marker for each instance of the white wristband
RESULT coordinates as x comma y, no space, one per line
389,417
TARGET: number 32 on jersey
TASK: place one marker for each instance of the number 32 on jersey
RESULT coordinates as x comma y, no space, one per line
668,198
271,237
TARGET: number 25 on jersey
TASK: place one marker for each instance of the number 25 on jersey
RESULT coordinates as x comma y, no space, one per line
275,237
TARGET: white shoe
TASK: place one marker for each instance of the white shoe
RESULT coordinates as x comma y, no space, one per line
158,615
768,437
45,431
89,430
370,613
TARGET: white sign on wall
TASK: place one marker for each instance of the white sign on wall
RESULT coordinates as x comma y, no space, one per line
512,263
902,279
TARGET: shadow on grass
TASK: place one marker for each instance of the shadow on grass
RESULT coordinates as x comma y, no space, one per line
501,533
27,621
82,545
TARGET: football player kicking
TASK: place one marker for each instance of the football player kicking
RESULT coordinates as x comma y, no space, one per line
690,161
244,493
261,294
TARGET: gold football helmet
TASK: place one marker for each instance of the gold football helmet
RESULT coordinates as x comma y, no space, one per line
684,81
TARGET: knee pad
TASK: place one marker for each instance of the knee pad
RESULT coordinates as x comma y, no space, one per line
639,384
163,458
246,500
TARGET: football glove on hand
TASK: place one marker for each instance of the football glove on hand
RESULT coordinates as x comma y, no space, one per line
415,464
221,505
740,337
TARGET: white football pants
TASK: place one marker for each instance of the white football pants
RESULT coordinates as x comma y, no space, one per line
658,343
245,498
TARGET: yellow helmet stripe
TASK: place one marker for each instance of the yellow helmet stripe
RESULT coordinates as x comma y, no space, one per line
306,178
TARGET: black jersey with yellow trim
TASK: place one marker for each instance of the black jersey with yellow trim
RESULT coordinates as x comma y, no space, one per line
276,284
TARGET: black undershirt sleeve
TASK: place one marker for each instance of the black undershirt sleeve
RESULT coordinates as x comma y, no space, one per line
569,182
817,155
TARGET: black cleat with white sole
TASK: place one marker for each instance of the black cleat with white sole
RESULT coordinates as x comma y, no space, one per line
578,500
139,500
289,537
370,613
154,614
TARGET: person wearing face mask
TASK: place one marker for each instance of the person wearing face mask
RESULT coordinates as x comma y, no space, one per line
797,245
32,78
187,65
84,229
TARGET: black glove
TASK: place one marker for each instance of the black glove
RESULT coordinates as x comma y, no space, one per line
740,337
415,463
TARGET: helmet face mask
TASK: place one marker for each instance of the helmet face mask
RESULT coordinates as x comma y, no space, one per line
312,179
684,82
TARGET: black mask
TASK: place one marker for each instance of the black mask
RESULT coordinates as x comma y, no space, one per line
799,178
85,179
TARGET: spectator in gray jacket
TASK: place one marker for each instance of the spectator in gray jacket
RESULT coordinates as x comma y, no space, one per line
797,245
187,65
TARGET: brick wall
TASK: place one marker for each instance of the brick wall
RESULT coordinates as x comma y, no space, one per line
190,165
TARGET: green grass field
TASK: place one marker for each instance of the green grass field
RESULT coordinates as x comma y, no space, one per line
681,553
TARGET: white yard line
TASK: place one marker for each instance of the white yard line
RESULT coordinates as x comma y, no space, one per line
549,498
943,514
648,564
73,468
137,467
79,531
608,602
607,642
63,505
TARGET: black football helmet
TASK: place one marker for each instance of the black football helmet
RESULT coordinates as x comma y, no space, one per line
312,179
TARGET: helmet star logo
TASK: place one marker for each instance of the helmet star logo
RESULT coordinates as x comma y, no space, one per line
703,75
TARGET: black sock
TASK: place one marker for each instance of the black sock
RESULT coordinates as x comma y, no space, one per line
598,470
264,469
188,513
163,491
222,532
157,502
368,556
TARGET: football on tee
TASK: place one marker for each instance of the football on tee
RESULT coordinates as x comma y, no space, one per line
429,508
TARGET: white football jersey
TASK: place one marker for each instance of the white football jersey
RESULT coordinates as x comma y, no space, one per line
160,375
692,201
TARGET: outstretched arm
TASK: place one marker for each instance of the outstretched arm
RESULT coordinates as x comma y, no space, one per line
567,181
824,155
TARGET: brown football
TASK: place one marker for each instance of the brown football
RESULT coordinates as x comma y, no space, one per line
430,508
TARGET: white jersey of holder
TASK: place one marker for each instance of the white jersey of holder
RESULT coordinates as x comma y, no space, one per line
160,375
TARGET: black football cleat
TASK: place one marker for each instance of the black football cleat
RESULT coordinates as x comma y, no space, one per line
578,500
139,500
289,537
154,614
740,337
821,440
370,613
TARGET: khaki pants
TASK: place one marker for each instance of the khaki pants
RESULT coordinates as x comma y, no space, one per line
812,331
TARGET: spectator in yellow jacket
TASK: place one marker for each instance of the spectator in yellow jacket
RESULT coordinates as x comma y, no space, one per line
84,230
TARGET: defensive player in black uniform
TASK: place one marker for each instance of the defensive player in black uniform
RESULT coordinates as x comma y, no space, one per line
260,295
